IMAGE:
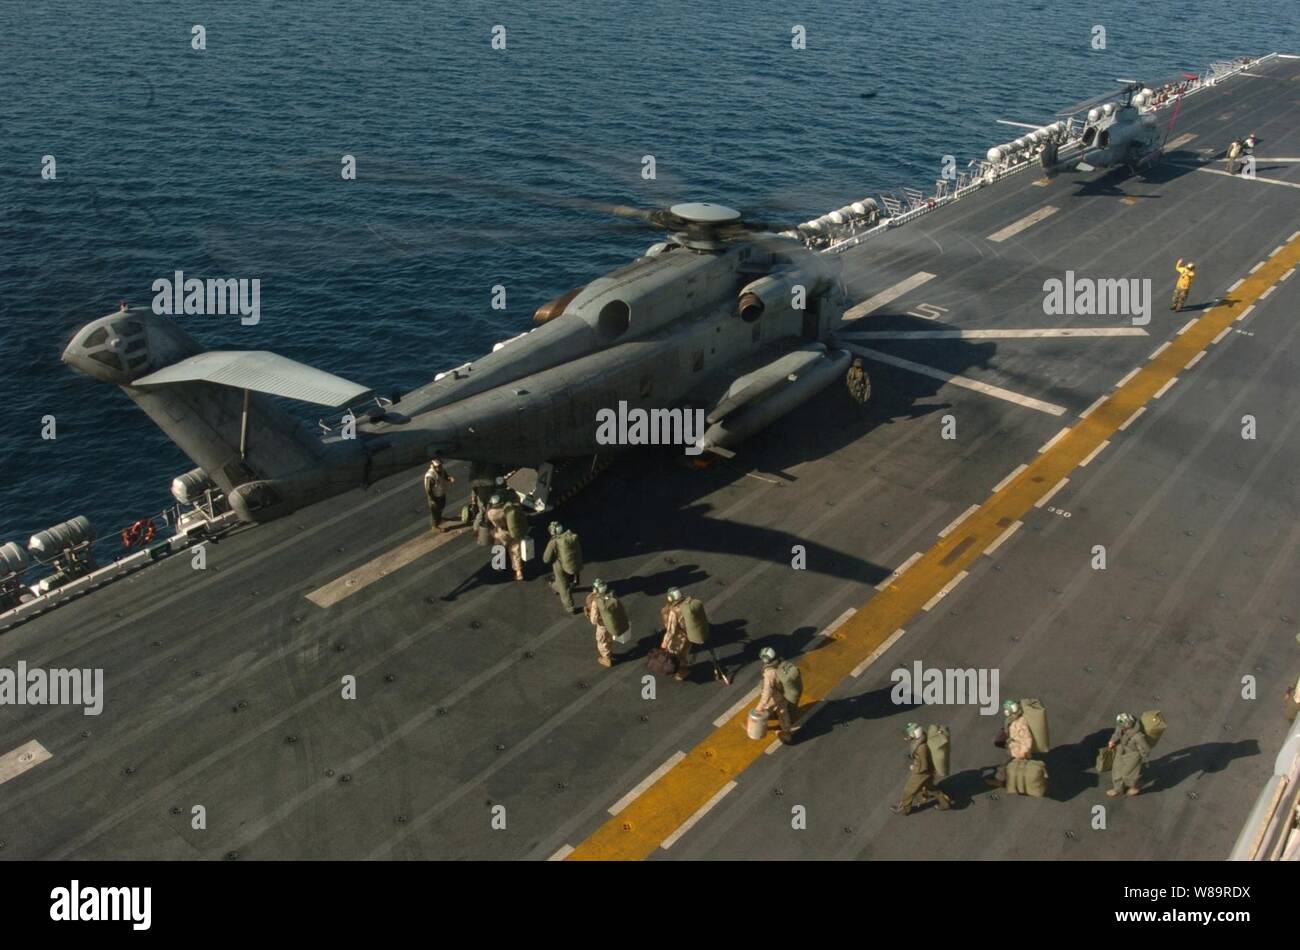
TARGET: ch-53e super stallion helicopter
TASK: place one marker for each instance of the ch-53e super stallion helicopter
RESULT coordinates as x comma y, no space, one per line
725,316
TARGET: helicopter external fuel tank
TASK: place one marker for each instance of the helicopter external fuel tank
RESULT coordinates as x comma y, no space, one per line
759,398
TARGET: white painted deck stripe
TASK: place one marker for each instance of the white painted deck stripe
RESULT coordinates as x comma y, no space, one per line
1051,494
958,520
898,571
1007,481
945,591
997,543
975,385
877,653
1053,440
1195,359
379,568
1093,454
1028,221
704,809
1050,333
26,756
1132,419
1165,388
871,304
646,782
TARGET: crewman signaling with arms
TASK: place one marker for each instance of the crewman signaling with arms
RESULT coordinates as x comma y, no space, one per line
1186,274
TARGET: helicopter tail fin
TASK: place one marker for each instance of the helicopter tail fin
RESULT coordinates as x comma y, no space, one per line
215,405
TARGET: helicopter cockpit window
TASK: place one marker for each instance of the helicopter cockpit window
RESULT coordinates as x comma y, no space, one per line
612,321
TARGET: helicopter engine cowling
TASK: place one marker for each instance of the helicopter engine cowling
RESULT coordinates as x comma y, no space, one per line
776,291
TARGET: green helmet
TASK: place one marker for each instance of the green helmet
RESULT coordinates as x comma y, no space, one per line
674,595
913,730
599,586
1010,707
1125,719
767,655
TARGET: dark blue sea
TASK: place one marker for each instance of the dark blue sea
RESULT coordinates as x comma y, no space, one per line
472,164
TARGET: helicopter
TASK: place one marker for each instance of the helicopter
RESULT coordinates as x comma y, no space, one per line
726,317
1115,134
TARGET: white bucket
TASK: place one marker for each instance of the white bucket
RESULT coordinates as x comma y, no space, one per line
756,727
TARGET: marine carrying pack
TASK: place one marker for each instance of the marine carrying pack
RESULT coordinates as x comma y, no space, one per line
938,738
697,621
613,616
516,522
1153,724
791,680
1036,718
570,552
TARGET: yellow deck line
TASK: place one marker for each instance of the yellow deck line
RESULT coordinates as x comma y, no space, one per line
716,762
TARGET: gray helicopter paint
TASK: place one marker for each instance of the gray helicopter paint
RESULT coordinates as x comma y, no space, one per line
531,401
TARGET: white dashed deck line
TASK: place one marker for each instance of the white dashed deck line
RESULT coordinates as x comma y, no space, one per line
958,520
646,782
1187,326
1286,275
1222,333
1265,294
872,304
704,809
1236,283
1028,221
1093,454
1133,418
1124,382
1245,313
1257,267
1165,388
1195,359
26,756
838,622
750,697
1159,349
1094,407
1007,481
1051,494
877,653
997,543
1053,440
898,571
945,590
563,853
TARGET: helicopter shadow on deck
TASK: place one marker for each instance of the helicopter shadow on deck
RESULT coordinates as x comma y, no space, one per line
1173,166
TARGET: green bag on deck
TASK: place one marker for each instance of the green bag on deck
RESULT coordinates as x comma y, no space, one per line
697,621
938,738
1154,725
1027,777
1036,718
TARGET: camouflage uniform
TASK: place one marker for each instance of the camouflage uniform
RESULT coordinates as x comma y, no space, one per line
1131,751
501,535
859,385
920,781
564,582
1185,277
436,481
772,699
1020,745
604,640
675,640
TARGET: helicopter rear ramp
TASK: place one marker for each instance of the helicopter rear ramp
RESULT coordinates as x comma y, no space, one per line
862,542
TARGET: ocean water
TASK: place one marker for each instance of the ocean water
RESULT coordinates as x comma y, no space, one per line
474,166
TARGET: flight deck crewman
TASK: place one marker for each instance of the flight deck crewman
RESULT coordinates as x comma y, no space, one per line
601,603
1186,274
675,640
1131,751
772,699
859,385
1234,152
920,781
436,481
501,515
564,554
1019,741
